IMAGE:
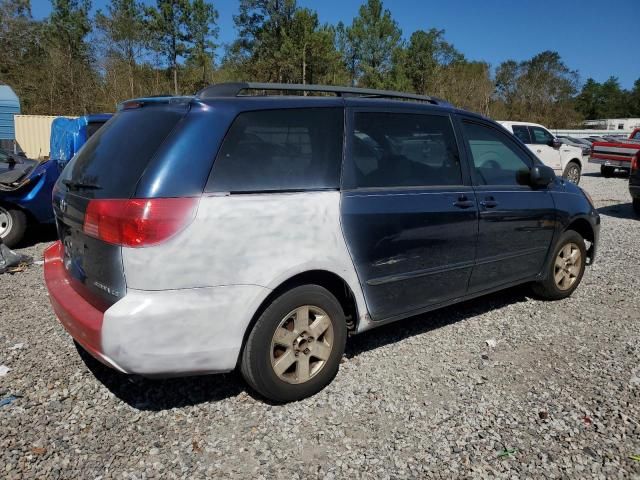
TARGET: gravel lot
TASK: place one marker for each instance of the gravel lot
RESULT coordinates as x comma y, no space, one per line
558,395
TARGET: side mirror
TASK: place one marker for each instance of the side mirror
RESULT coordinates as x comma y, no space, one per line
541,175
555,143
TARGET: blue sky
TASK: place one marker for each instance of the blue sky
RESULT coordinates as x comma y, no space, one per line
597,38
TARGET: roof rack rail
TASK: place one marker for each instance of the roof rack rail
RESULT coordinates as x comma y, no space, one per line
234,89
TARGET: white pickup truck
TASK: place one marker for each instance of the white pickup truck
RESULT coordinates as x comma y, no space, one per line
566,160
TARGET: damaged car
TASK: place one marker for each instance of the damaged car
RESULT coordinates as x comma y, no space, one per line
26,185
242,230
25,194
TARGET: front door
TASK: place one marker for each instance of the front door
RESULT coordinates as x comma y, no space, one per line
542,145
409,214
516,221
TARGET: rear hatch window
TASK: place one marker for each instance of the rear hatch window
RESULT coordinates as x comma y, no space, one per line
115,157
109,166
93,127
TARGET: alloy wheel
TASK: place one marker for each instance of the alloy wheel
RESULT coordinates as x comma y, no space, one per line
302,344
573,175
567,266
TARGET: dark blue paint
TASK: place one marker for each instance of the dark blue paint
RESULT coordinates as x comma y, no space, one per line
182,165
415,252
414,249
514,235
411,248
572,206
35,197
87,259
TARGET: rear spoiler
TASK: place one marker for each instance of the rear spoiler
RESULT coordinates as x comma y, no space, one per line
154,100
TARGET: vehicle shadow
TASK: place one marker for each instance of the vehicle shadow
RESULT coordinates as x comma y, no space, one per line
622,173
619,210
157,395
163,394
38,234
426,322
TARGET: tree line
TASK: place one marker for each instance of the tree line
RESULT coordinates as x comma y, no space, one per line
73,62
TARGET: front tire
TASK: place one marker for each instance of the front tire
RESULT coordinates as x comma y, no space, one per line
295,346
566,269
13,224
572,172
636,206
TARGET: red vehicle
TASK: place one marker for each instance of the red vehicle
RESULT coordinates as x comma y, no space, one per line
612,155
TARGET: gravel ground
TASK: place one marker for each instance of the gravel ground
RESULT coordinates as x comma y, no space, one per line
556,395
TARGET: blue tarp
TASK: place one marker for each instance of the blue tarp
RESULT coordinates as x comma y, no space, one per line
9,106
63,131
69,134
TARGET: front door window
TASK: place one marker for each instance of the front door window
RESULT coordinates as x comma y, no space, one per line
542,146
496,161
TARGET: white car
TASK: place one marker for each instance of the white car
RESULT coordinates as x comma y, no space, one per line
566,160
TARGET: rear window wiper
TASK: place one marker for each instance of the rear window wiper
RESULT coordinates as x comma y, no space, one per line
72,185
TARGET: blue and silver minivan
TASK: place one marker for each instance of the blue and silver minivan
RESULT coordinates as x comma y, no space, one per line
253,227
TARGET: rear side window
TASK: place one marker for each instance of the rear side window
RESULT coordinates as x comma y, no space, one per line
402,150
115,157
522,132
280,150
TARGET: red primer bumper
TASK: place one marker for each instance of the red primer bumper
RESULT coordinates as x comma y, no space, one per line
81,319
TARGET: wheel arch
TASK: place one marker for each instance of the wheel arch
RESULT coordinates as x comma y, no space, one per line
333,282
575,160
15,206
572,160
584,228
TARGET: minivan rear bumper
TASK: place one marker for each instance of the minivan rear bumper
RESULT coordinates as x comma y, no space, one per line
82,320
157,333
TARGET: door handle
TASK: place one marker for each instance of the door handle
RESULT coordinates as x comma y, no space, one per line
489,202
463,202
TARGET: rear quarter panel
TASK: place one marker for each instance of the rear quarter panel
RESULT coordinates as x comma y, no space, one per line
252,239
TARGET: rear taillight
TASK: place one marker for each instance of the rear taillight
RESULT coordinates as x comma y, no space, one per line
635,162
138,222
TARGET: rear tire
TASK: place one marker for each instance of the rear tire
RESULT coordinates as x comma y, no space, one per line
636,206
606,171
279,359
13,224
566,268
572,172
